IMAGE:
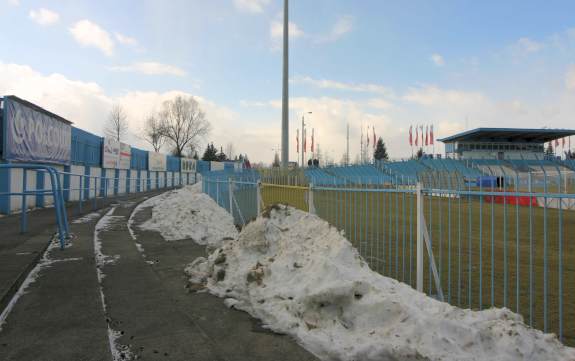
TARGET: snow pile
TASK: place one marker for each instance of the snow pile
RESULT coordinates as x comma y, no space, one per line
188,213
302,277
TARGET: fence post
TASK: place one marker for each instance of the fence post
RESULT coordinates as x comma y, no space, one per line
419,226
310,199
259,198
231,195
24,221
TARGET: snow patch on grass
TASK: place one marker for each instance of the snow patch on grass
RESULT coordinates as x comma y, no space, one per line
303,278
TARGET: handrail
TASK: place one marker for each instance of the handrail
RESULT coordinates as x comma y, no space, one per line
61,216
87,184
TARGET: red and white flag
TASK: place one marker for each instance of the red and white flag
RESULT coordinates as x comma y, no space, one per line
312,140
374,141
416,136
426,135
297,141
431,138
411,135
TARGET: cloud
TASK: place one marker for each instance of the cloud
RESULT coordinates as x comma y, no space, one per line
430,95
277,30
89,34
125,40
150,68
86,104
336,85
570,78
14,2
527,46
44,17
437,59
342,26
251,6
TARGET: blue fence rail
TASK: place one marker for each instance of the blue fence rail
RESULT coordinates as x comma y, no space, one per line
490,244
55,191
89,189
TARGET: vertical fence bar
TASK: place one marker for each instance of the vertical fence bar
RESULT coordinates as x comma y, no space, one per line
23,214
259,198
419,267
492,198
505,250
517,253
231,196
545,253
481,246
530,253
560,266
469,246
311,200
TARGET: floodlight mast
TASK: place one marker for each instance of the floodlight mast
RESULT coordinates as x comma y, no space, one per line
285,90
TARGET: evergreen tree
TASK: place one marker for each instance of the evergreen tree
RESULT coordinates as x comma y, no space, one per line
222,157
196,156
380,151
211,154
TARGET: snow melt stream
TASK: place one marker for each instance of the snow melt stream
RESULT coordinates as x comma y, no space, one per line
303,278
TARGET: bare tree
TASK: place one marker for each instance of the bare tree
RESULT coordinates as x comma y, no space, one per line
117,125
152,132
183,123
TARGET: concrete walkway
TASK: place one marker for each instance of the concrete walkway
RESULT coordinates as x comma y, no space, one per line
110,297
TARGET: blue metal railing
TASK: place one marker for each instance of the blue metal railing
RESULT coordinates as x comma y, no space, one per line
55,191
90,188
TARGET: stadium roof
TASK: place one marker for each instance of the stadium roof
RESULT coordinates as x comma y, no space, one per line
516,135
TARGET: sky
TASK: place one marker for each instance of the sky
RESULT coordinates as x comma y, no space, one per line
370,63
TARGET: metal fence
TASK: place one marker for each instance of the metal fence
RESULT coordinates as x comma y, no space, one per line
89,190
503,245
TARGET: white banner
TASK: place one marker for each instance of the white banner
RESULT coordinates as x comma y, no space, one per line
110,153
125,156
156,162
216,166
188,165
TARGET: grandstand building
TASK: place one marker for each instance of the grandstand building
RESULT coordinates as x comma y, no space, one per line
502,143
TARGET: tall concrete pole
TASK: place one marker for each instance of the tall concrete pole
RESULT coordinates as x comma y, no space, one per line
285,92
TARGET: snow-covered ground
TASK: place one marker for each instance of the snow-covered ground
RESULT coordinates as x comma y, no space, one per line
303,278
189,213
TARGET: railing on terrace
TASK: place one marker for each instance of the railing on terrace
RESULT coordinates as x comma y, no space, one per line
494,244
89,188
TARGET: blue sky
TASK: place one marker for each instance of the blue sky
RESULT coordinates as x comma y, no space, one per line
454,64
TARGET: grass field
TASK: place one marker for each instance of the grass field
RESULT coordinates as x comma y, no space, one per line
487,254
